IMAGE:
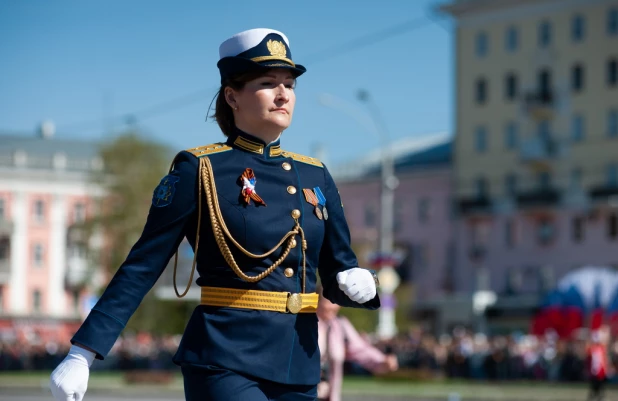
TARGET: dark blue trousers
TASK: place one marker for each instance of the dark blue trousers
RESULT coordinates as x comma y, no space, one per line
217,384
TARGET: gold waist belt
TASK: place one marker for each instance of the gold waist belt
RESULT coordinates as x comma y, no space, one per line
285,302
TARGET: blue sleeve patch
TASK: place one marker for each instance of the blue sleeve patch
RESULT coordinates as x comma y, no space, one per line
164,192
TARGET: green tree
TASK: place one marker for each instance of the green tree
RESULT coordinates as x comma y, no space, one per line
133,167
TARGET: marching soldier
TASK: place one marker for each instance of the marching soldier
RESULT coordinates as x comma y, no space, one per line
263,223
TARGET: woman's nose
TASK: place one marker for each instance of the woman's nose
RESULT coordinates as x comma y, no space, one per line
282,93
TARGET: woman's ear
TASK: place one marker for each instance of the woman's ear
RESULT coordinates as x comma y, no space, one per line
230,97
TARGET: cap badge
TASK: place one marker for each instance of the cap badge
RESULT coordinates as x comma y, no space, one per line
276,48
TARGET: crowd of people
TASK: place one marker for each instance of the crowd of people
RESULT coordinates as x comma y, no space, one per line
461,354
467,355
131,352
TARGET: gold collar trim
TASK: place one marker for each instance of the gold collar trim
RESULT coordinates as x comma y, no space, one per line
256,147
249,145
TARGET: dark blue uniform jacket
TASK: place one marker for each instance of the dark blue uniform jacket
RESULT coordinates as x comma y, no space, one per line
280,347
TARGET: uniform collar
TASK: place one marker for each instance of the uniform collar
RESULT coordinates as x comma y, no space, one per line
249,143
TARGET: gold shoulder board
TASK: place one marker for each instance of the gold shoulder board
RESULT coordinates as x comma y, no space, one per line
202,151
303,159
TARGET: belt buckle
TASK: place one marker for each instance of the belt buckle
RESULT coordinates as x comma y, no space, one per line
294,303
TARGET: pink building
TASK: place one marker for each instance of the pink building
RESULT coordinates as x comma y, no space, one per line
422,214
45,192
519,254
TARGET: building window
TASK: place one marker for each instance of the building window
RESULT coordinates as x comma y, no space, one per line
370,216
509,233
511,134
511,39
37,254
79,213
510,185
510,86
612,22
612,226
480,139
576,178
513,281
578,28
39,211
612,175
421,256
36,301
482,44
424,210
544,81
483,278
577,78
612,123
577,229
612,72
481,91
545,232
544,33
577,128
547,278
482,188
544,180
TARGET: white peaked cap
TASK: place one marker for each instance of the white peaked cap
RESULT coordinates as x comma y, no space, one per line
246,40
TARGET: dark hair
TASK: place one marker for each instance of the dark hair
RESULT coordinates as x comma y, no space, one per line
223,111
224,115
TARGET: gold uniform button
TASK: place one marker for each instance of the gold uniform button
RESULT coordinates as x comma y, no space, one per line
293,243
289,272
286,166
295,213
291,190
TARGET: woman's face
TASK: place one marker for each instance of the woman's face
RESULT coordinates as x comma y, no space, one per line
265,105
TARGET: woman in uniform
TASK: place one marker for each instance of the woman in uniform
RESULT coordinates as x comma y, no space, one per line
263,223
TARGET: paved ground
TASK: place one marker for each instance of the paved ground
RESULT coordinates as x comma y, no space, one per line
112,387
40,395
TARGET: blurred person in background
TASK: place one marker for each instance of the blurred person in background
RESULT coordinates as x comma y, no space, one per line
340,342
264,220
598,368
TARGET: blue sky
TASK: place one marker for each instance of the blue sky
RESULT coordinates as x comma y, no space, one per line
76,62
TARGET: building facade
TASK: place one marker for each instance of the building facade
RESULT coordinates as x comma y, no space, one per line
423,216
45,194
536,145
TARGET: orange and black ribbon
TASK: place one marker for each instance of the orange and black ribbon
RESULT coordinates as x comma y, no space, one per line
248,181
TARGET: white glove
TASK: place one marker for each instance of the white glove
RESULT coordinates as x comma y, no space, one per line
358,284
69,380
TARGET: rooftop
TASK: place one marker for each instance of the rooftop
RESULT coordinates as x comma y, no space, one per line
410,154
45,151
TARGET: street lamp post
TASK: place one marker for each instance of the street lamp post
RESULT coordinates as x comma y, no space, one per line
388,277
389,280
